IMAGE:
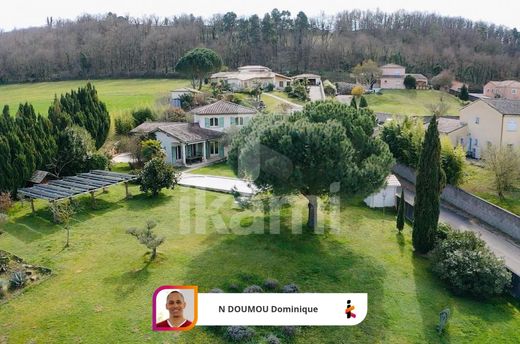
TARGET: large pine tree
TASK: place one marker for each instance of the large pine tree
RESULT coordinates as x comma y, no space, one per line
430,182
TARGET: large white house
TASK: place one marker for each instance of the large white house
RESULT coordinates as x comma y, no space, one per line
201,140
250,76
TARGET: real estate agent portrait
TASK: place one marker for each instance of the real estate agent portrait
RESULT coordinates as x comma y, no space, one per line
175,304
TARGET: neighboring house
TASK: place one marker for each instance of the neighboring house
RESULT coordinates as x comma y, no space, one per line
392,77
250,76
175,95
385,197
185,143
454,129
456,87
221,115
508,89
421,82
188,143
312,79
491,121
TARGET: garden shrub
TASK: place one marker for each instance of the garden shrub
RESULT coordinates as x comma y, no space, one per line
453,161
329,88
290,288
289,331
288,89
234,287
239,333
272,339
271,284
464,262
187,101
253,289
123,126
97,161
142,115
17,280
5,202
269,87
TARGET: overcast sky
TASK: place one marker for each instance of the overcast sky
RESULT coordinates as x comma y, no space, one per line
26,13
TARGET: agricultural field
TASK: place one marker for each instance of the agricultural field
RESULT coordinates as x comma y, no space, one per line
411,102
479,181
101,286
119,95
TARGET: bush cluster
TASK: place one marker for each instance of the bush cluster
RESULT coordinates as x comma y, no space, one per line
239,333
464,262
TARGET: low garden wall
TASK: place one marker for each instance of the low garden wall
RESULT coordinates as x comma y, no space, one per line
489,213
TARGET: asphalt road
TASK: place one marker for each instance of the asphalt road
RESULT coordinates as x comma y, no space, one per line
501,244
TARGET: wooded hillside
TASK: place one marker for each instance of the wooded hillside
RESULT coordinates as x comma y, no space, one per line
114,46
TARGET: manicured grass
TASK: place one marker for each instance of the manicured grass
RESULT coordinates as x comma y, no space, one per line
284,95
221,169
479,181
411,102
102,285
119,95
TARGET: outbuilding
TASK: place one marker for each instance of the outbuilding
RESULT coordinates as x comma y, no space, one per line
385,197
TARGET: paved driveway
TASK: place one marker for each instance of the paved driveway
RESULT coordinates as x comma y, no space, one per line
214,183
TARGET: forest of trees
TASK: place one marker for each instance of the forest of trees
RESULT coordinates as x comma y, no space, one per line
114,46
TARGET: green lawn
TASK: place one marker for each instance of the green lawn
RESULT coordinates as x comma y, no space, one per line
479,181
284,95
221,169
119,95
411,102
101,287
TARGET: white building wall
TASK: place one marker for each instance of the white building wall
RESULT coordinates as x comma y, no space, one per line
201,119
383,198
166,143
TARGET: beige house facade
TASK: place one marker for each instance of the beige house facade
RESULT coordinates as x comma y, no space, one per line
393,77
250,76
491,121
508,89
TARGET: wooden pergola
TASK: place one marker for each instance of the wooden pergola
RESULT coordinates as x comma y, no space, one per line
69,187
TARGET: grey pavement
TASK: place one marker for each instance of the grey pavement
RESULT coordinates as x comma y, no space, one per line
220,184
501,244
316,93
123,157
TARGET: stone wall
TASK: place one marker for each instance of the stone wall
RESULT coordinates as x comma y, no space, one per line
489,213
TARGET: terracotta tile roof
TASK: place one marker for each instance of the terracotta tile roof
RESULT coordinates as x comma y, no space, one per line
223,107
38,176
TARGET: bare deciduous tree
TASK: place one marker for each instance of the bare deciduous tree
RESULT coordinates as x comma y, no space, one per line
504,163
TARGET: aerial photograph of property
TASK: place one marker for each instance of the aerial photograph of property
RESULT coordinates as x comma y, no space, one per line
271,172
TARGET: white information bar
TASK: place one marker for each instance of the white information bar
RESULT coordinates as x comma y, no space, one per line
266,309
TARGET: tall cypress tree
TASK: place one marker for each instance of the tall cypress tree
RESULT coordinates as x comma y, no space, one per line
400,212
353,102
428,187
464,94
363,102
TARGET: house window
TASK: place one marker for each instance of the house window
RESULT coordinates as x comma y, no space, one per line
513,91
280,83
511,125
213,148
477,120
239,121
213,122
462,141
178,152
476,142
